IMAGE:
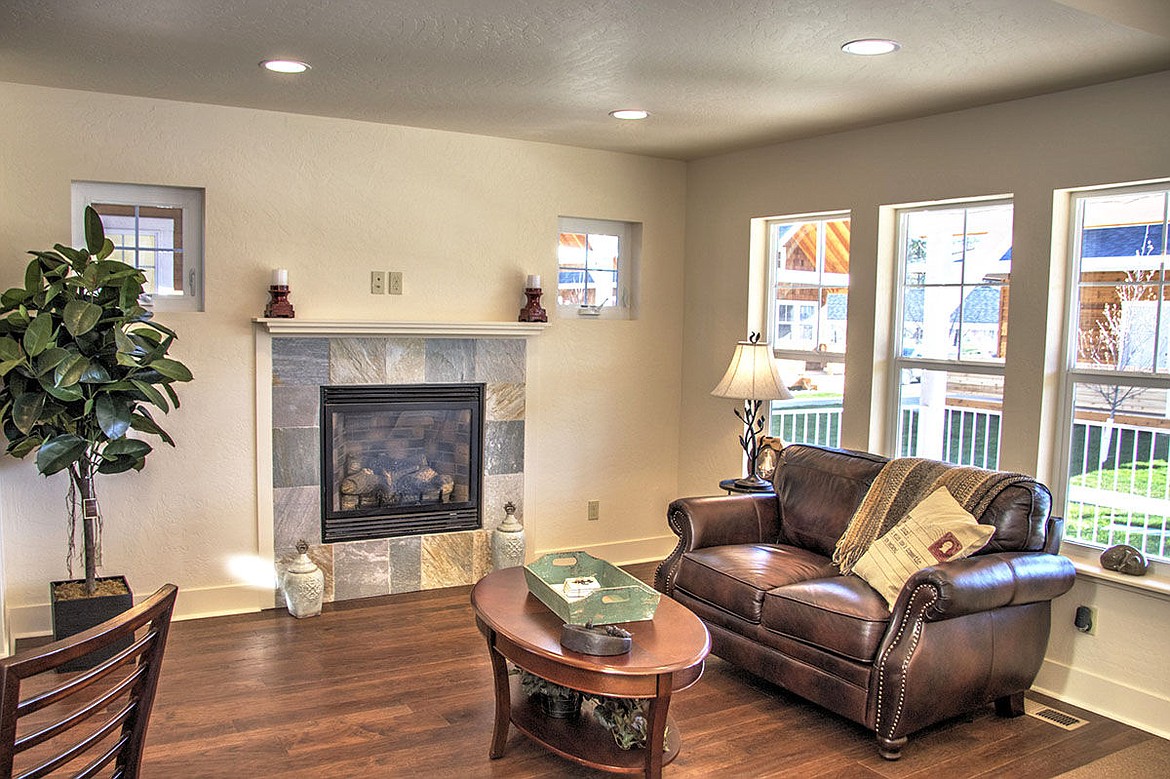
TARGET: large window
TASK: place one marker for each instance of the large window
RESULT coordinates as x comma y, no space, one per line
954,263
808,295
158,230
1118,377
595,267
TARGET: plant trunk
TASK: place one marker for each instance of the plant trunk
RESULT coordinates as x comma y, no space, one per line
89,521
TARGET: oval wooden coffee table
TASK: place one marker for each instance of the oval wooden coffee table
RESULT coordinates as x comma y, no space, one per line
667,655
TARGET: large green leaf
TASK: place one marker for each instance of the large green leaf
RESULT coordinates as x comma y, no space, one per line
23,446
121,464
69,394
152,394
39,335
96,373
69,372
81,316
8,365
127,447
172,369
59,452
49,359
113,416
10,349
95,233
34,279
144,423
26,410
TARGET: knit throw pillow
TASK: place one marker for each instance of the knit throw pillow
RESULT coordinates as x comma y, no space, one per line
936,530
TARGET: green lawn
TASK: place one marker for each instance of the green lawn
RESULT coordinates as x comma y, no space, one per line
1147,479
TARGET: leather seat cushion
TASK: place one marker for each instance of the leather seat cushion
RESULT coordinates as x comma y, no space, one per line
839,614
736,577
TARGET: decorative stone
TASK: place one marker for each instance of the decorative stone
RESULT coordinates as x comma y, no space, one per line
508,540
303,585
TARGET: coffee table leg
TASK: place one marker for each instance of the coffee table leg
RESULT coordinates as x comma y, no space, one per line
657,724
503,698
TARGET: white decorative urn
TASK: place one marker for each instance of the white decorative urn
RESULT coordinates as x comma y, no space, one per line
508,540
303,585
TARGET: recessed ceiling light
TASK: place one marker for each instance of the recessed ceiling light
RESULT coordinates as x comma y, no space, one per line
870,47
285,66
629,113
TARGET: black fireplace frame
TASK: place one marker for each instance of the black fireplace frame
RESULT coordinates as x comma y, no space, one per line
361,524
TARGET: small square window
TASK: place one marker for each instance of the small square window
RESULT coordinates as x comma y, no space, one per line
158,230
595,262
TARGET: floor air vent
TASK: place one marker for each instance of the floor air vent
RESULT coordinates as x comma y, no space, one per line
1052,716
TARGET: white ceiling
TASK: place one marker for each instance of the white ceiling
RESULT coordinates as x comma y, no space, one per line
716,75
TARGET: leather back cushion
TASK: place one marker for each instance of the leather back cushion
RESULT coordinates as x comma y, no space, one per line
820,488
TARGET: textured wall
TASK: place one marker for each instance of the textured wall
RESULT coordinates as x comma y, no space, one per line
1028,148
463,217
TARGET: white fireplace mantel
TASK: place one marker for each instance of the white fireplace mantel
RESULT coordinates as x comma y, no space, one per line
341,327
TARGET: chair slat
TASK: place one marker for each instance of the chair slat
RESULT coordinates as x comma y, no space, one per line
80,715
132,676
86,678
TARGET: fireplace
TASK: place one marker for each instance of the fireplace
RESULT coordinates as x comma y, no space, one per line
400,460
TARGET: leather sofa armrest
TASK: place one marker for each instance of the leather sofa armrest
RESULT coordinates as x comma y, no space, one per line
717,521
989,581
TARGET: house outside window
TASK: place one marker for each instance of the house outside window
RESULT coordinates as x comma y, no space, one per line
596,267
954,263
1117,379
808,294
158,230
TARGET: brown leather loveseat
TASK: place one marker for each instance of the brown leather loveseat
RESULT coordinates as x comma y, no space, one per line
757,569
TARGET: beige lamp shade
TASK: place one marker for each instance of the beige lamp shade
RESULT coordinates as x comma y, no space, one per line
752,374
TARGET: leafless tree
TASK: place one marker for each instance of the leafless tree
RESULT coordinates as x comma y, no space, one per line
1108,345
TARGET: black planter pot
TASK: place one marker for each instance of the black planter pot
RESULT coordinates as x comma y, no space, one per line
560,707
73,616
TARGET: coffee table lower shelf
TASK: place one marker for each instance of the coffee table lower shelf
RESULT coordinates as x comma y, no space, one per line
582,739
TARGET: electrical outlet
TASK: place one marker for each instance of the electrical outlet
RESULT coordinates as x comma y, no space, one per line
1086,620
395,282
594,510
377,282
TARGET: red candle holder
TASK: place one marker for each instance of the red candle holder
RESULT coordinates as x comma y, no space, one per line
533,311
278,306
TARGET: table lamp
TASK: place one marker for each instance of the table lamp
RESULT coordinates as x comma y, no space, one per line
752,376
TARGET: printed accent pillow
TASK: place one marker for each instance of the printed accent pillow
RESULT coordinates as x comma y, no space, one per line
938,529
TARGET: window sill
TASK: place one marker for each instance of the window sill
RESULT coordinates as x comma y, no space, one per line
1086,560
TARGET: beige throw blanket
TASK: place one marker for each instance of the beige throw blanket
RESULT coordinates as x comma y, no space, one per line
901,484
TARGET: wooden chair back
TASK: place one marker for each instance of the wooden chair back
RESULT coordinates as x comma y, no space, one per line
86,722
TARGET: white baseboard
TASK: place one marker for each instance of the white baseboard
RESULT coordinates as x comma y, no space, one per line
36,620
1078,687
637,550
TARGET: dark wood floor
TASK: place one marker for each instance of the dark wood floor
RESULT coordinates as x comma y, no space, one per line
401,686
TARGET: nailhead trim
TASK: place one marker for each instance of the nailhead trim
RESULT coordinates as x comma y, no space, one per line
917,622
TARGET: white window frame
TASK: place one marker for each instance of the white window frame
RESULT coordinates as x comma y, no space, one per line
900,362
818,279
629,248
189,199
1073,375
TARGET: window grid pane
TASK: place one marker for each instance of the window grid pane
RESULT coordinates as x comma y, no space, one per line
1118,437
808,263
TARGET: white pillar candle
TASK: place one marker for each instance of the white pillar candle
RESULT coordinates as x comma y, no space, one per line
280,277
533,281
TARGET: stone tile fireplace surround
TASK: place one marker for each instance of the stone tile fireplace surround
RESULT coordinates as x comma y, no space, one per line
311,356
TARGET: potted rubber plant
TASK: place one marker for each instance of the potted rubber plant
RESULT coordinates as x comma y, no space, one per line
81,365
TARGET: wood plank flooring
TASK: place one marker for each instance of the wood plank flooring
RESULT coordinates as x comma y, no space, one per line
401,686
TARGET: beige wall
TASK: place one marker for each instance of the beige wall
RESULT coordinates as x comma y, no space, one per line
1028,148
464,217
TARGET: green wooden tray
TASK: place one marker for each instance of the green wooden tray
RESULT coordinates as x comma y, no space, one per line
622,598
